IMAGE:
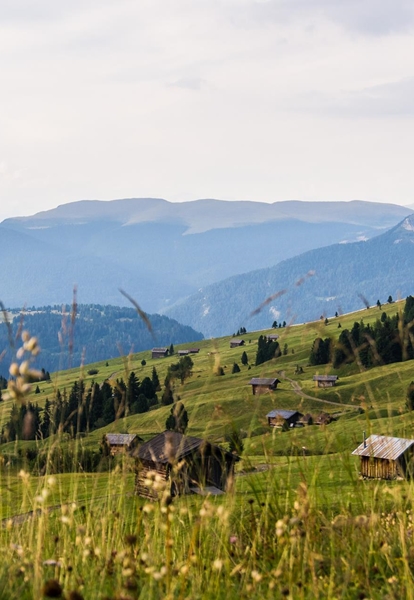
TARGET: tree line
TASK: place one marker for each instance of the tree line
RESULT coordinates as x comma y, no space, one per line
388,340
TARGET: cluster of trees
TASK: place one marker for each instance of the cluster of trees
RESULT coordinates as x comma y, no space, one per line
266,350
321,352
388,340
275,325
83,410
241,331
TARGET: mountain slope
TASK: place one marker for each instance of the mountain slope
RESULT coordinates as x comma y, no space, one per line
161,252
342,276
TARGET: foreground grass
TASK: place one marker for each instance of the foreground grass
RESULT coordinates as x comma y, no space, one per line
306,527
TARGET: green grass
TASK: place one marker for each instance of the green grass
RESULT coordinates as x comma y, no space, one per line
299,522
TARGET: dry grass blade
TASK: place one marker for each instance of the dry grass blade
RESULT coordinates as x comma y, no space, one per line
140,312
270,299
266,302
8,325
302,280
364,300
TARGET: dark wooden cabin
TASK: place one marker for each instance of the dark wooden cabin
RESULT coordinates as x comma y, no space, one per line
272,337
283,419
159,352
263,384
384,457
324,381
122,442
236,343
187,464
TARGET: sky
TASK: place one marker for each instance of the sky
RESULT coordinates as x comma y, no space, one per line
262,100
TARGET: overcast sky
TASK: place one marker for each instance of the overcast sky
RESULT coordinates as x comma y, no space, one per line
182,99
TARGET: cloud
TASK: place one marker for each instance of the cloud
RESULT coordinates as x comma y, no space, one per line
189,83
394,99
371,17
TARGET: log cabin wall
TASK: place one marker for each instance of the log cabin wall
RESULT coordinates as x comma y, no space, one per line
143,469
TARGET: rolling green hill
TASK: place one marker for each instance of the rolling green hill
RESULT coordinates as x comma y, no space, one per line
298,522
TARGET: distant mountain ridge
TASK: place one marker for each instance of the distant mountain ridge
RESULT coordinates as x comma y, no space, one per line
338,278
161,252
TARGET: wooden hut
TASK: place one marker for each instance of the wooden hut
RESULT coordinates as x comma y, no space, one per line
159,352
384,457
183,352
305,420
324,381
122,442
283,419
323,419
236,343
194,350
187,464
272,337
263,384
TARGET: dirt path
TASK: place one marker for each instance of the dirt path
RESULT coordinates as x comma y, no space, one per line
298,390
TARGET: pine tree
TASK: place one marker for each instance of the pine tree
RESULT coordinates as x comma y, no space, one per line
155,380
178,418
236,368
244,359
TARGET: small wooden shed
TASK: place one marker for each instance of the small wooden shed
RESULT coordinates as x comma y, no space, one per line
236,343
272,337
183,352
324,381
159,352
384,457
187,464
122,442
283,419
263,384
194,350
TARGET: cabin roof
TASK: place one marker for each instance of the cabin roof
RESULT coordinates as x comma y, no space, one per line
284,414
263,381
383,446
325,377
170,446
272,336
121,439
159,349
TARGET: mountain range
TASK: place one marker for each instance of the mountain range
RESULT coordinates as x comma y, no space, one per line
161,252
338,278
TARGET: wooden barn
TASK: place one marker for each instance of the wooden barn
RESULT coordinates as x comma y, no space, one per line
187,464
324,381
122,442
194,350
283,419
159,352
384,457
263,384
236,343
272,337
183,352
305,420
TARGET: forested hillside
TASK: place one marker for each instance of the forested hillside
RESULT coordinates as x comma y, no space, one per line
97,333
340,278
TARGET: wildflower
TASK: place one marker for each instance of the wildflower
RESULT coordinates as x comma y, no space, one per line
256,576
217,564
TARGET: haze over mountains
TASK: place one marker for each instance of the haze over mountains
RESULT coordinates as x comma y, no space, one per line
162,252
339,278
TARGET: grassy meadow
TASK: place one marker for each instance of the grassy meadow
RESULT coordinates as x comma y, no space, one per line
298,522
